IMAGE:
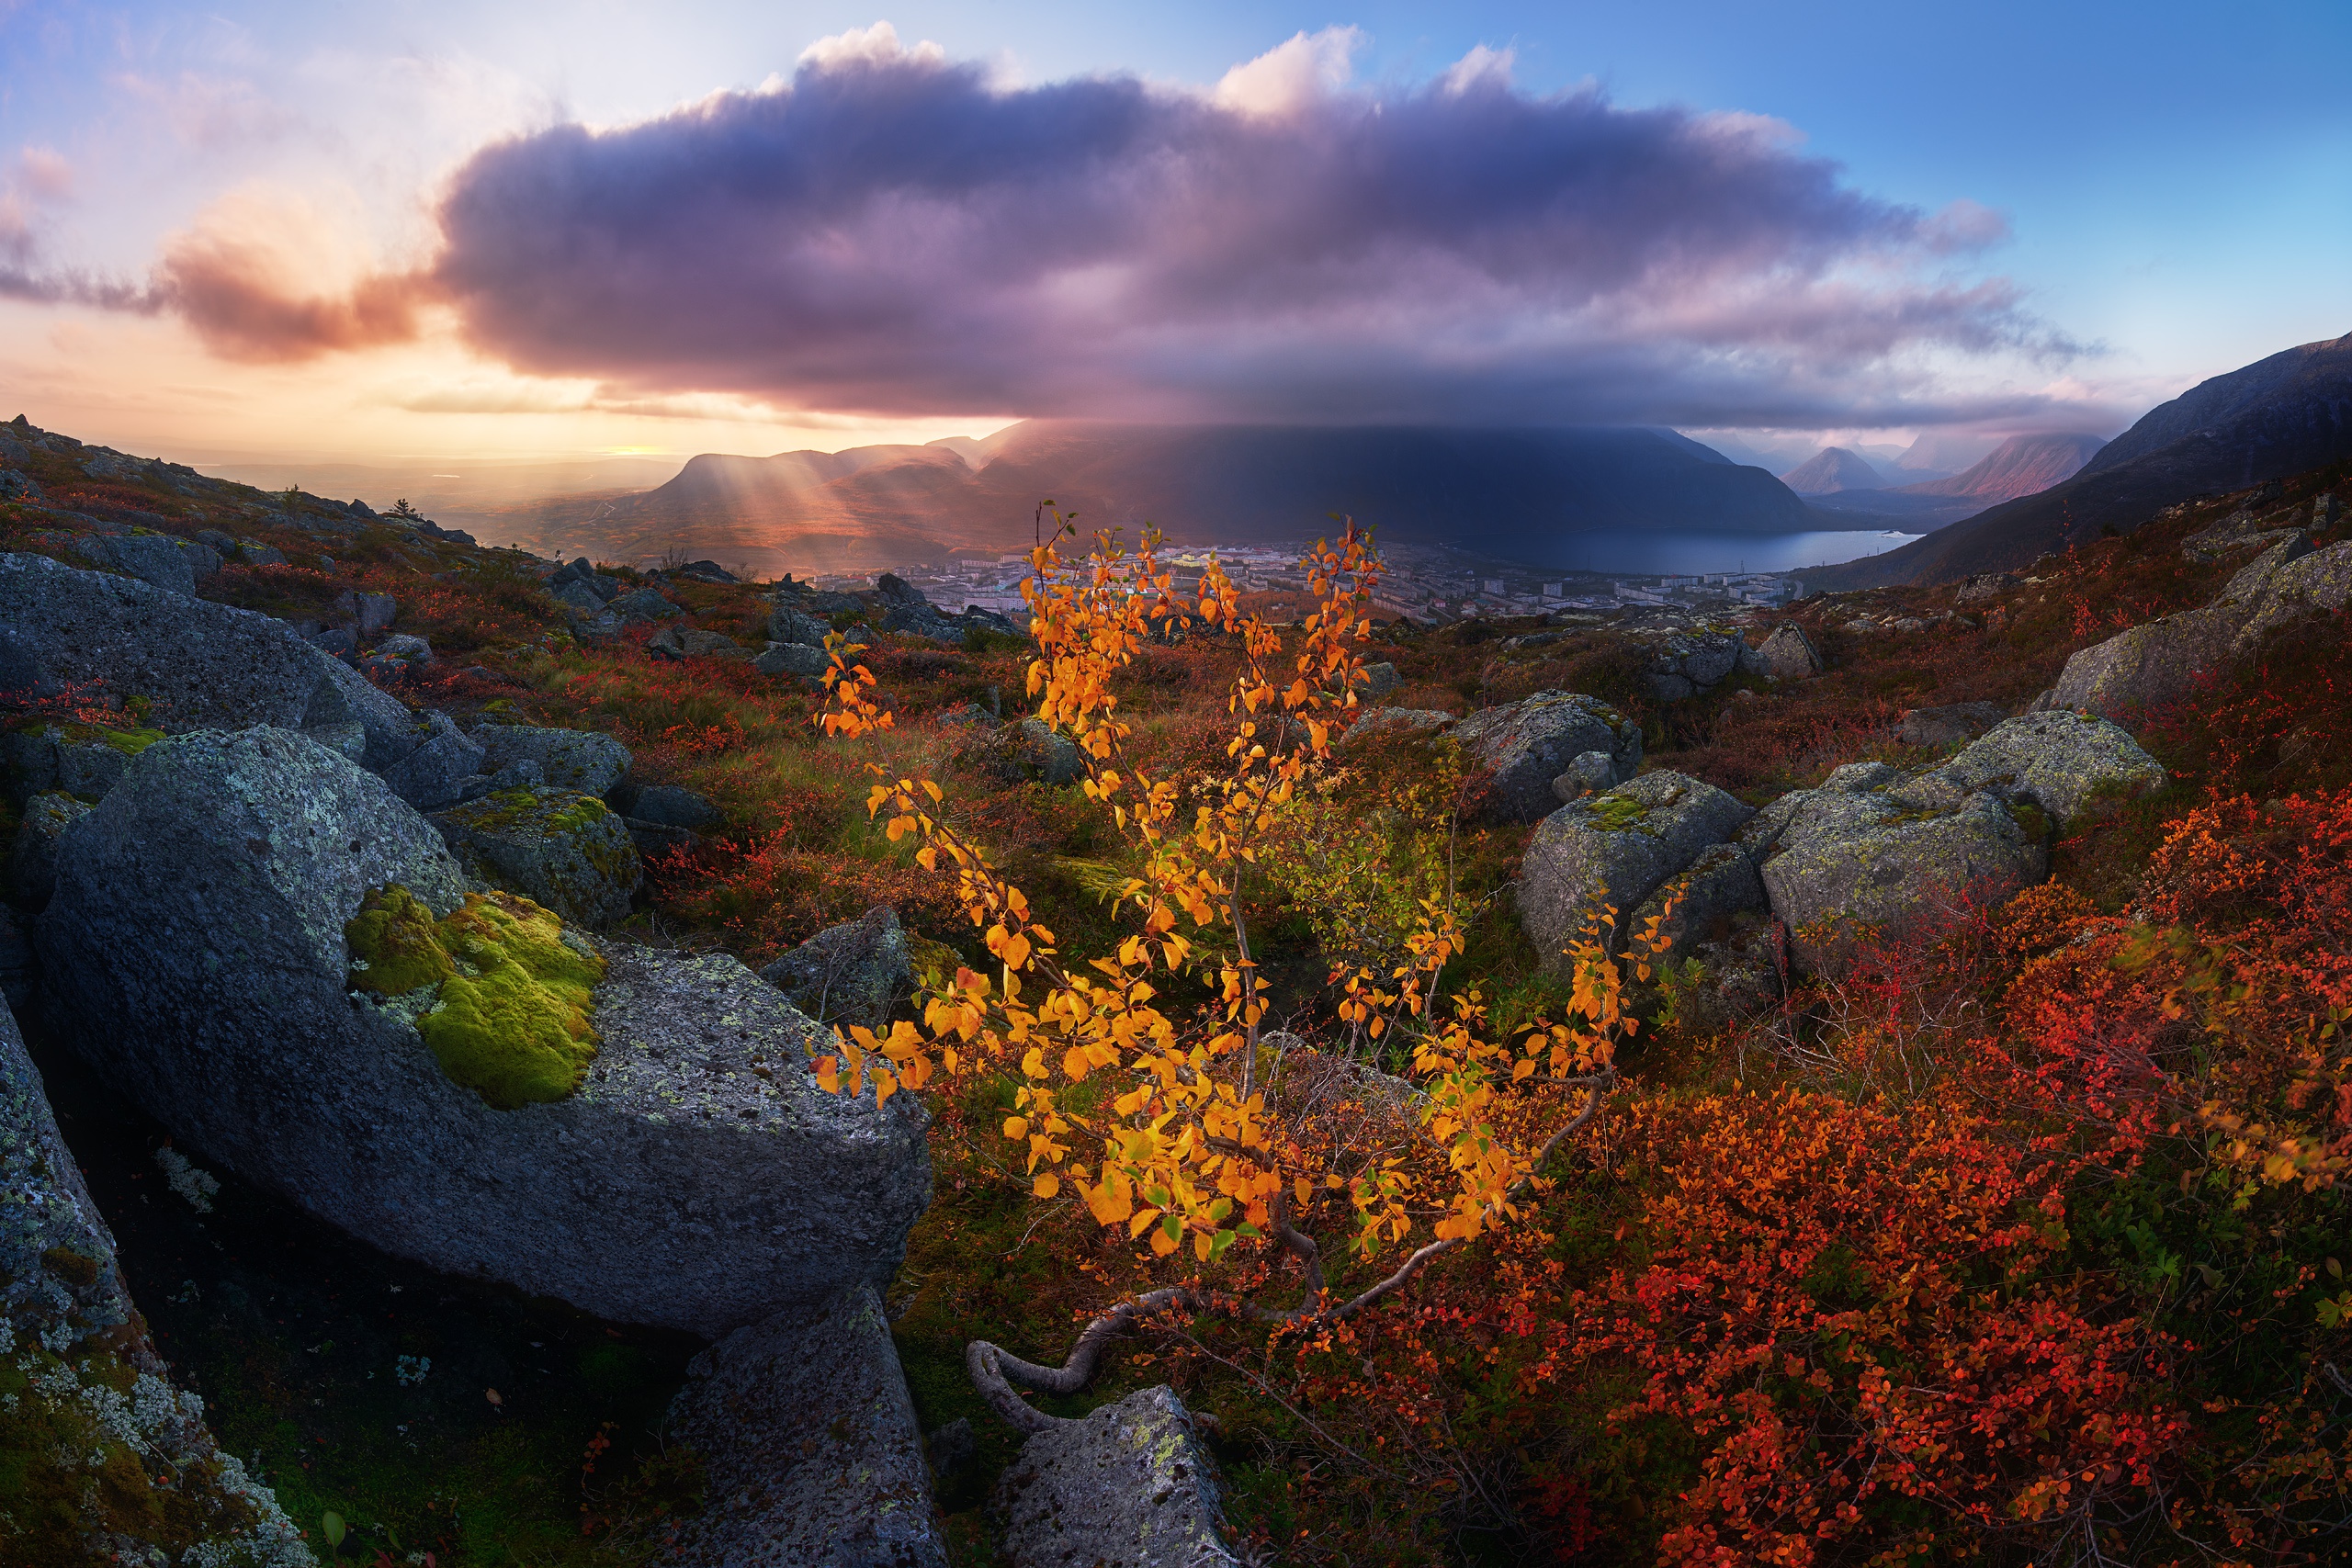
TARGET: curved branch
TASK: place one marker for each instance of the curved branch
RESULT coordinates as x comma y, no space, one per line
995,1369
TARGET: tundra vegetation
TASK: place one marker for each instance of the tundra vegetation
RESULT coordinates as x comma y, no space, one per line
2021,1237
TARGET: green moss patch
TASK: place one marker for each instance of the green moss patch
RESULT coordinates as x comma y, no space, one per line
129,742
1617,813
547,813
509,1016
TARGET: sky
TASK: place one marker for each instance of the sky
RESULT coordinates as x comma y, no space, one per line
440,231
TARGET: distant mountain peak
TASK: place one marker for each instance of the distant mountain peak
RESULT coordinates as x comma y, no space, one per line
2023,464
1831,469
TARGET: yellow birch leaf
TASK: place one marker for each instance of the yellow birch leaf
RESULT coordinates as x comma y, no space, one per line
1048,1184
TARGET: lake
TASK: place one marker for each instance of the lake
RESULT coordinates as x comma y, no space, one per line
1645,553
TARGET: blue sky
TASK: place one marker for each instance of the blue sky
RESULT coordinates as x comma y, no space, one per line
2176,182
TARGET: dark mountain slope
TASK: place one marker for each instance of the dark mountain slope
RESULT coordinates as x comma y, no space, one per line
2283,415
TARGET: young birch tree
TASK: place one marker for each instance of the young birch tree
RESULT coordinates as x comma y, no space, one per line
1202,1133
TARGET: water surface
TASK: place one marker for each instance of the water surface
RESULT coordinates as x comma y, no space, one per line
1647,553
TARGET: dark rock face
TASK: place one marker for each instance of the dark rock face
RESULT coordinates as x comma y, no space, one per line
1128,1486
1525,745
1684,663
562,850
644,605
1612,850
698,1179
850,973
813,1457
202,665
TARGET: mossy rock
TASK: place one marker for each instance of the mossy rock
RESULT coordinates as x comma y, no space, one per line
508,1017
564,850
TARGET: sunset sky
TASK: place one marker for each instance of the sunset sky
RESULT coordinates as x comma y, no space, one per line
402,232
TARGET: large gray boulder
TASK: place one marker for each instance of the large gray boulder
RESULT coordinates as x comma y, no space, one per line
1525,745
568,759
2162,661
850,973
87,1372
1842,864
811,1451
156,558
792,658
1878,850
201,665
2059,761
1948,725
698,1178
562,850
1130,1485
1612,851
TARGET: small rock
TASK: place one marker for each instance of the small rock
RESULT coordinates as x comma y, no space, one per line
407,646
372,613
1379,680
1948,725
1128,1486
434,773
562,850
644,605
1588,774
1983,586
1787,655
1372,724
787,623
1525,745
567,759
670,806
851,973
792,658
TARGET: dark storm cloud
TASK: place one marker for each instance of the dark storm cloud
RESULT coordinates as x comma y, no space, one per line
891,231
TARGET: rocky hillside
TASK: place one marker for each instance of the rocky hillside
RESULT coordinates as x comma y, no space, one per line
428,957
2279,417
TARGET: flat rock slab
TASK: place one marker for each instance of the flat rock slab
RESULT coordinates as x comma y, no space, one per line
698,1179
1128,1486
2061,762
811,1454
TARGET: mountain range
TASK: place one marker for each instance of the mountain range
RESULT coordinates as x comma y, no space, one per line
2279,416
1506,493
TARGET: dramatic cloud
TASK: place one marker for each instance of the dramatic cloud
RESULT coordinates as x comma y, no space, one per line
894,233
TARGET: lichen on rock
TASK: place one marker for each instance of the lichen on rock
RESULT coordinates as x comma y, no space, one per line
509,1017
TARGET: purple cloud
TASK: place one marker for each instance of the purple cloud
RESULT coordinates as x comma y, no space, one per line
890,231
